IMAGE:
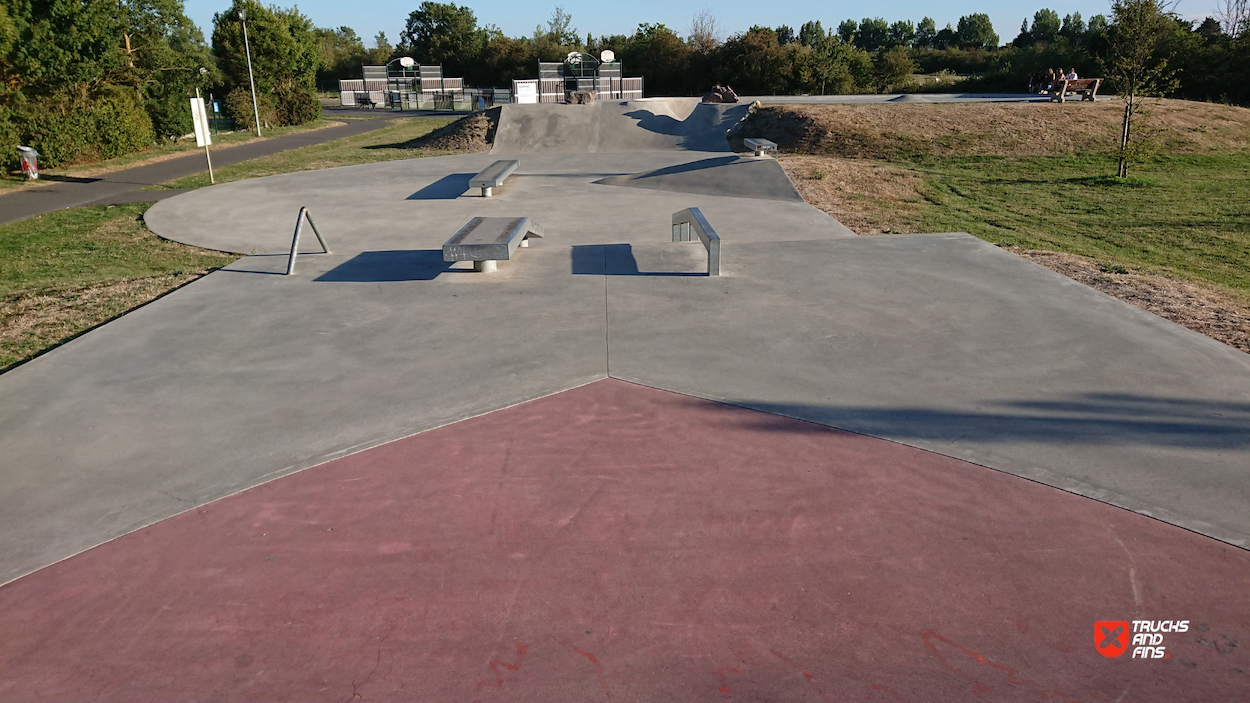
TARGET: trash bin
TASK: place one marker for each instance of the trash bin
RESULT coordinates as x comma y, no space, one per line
30,162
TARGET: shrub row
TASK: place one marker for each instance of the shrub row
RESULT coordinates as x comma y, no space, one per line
67,130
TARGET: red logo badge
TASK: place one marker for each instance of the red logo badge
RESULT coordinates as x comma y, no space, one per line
1111,637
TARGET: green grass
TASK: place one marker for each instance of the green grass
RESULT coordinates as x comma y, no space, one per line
1182,216
163,148
385,144
68,271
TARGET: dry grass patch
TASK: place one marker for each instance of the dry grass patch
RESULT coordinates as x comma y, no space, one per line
66,272
1200,308
869,197
33,322
1031,177
890,131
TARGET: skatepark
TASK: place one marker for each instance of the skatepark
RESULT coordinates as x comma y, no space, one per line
900,467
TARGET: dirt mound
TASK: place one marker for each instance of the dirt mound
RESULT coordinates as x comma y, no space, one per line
472,133
901,130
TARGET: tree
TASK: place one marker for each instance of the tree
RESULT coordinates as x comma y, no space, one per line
1210,29
342,53
754,64
1025,37
560,28
1234,16
382,51
873,34
812,34
704,34
926,32
902,33
976,32
785,34
892,67
444,34
1073,27
660,56
945,37
1046,25
1096,28
286,55
847,30
1138,29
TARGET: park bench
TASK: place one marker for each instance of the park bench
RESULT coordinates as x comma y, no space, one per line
493,176
689,222
486,240
759,146
1086,87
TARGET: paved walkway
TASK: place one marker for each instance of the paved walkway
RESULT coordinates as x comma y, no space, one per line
902,467
123,186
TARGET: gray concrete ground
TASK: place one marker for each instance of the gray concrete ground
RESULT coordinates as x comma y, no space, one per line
938,341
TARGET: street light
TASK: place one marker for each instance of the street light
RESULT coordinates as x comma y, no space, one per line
247,49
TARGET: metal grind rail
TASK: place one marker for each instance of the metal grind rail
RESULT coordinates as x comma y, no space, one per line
304,214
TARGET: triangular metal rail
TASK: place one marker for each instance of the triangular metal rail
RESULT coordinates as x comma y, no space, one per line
304,214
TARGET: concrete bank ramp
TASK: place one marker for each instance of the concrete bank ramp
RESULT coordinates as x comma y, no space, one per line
650,124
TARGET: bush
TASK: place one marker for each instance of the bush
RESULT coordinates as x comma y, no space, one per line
170,114
74,130
296,105
9,141
238,105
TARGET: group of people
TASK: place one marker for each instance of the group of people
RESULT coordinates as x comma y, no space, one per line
720,94
1044,83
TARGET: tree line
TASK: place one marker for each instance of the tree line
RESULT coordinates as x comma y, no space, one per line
83,80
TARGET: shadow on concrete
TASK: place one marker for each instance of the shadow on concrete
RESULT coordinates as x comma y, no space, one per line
659,124
688,167
67,179
448,187
612,260
389,266
1107,419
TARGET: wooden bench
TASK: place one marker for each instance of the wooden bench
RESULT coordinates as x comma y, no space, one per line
493,176
1086,87
486,240
690,221
759,146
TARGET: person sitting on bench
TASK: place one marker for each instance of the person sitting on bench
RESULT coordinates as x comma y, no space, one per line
1071,74
1044,85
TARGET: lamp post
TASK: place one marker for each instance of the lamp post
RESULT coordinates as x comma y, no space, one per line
247,49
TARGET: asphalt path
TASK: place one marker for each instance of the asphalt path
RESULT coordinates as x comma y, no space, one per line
122,186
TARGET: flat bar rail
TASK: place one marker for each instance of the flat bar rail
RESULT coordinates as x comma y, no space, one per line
304,214
690,221
487,240
493,176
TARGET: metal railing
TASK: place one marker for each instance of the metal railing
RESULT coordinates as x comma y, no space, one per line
304,214
690,221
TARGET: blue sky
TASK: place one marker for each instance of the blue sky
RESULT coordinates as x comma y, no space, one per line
518,17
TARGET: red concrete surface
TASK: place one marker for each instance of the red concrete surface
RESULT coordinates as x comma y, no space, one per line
620,543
